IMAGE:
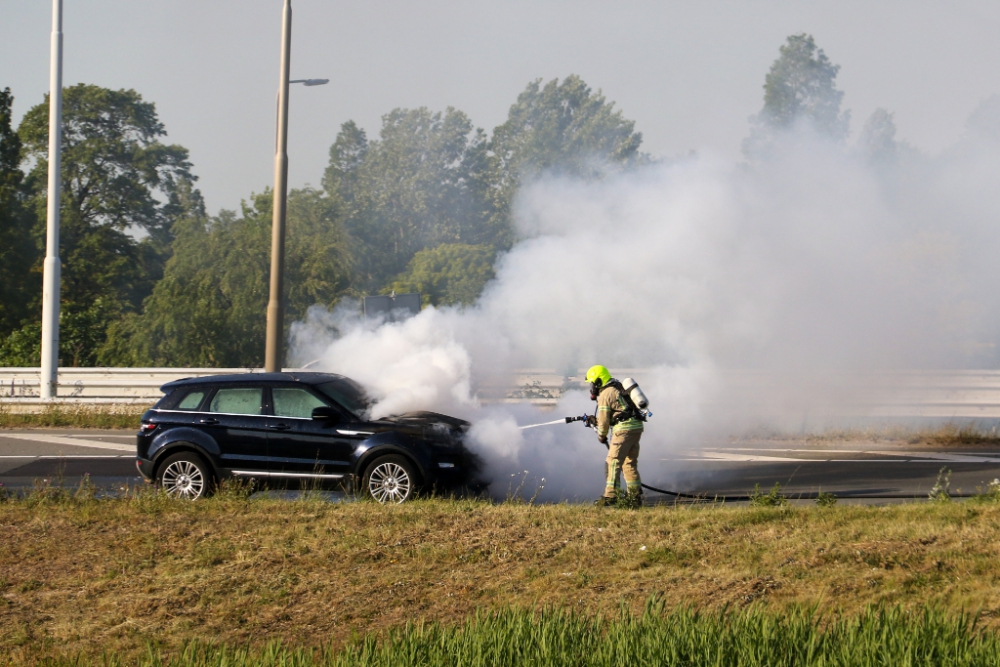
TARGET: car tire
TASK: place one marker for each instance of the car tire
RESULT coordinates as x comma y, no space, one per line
390,480
185,475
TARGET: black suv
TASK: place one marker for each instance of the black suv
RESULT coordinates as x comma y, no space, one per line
295,427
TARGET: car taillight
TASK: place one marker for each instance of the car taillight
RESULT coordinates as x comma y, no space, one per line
145,429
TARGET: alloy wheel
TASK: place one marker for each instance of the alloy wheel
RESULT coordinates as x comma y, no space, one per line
183,479
389,483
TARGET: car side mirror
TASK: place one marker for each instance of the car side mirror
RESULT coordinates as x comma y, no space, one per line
326,413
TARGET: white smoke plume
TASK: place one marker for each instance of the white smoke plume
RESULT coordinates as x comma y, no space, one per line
746,295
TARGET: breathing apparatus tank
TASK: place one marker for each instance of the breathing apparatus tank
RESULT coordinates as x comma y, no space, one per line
631,388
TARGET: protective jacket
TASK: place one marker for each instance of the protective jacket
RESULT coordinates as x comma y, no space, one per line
610,408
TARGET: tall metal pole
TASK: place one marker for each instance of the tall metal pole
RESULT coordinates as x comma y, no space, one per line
275,305
52,269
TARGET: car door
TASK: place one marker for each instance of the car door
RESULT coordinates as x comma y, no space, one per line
235,418
303,447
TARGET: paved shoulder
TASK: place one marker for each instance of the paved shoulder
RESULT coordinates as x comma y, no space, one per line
54,442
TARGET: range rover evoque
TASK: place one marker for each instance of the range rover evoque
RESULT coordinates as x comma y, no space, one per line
294,428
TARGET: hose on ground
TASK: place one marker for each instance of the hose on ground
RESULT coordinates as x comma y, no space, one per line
800,496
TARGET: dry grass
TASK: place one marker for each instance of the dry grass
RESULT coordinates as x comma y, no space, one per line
943,435
86,575
75,416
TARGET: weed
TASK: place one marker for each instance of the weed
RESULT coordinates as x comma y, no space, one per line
825,499
939,491
625,500
237,488
515,495
773,498
991,494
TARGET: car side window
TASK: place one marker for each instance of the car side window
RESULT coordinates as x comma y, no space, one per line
192,400
294,402
238,401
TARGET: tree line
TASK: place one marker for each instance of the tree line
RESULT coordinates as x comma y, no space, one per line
149,278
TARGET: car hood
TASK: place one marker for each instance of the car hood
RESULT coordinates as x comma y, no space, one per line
429,419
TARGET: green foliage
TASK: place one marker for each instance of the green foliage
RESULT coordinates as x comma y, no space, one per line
209,308
561,128
773,498
449,274
826,499
750,637
799,88
118,182
625,500
22,347
417,186
148,278
17,248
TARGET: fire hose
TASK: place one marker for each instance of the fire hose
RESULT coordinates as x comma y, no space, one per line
589,421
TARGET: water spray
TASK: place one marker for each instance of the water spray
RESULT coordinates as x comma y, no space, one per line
564,420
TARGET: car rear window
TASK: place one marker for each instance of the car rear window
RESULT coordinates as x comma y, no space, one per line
294,402
241,401
192,400
182,398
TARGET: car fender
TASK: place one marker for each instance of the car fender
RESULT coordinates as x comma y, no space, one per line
389,443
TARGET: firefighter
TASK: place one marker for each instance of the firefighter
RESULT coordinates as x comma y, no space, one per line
616,414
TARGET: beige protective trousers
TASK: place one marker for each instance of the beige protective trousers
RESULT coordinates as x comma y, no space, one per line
623,457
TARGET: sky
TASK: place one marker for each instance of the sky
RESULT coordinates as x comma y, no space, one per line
689,73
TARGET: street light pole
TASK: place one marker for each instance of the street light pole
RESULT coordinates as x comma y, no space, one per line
275,304
275,307
52,269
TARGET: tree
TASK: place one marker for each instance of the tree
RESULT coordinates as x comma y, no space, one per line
209,308
449,274
984,122
17,249
119,182
878,138
800,88
418,185
561,128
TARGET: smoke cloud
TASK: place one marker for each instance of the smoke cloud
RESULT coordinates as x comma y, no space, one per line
746,296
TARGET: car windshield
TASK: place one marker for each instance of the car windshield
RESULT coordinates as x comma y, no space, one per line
349,394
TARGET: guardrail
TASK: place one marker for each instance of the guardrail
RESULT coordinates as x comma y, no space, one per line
966,394
22,386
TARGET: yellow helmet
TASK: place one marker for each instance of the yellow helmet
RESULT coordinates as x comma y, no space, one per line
598,376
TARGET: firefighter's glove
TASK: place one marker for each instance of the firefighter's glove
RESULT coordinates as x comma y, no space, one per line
603,439
591,421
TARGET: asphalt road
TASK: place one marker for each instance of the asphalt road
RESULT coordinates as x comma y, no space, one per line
850,470
857,470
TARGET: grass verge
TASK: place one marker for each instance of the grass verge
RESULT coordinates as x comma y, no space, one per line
85,576
75,416
941,435
656,637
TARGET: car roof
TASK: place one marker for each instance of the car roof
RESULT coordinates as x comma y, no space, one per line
304,377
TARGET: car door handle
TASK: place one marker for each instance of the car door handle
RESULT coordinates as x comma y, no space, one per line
280,427
208,421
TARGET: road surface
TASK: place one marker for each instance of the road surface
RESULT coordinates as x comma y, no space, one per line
849,470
